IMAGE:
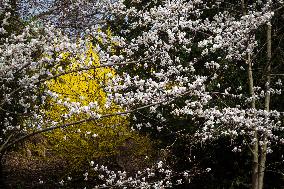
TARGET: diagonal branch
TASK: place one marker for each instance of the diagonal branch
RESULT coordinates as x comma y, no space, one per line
89,119
5,143
76,70
92,68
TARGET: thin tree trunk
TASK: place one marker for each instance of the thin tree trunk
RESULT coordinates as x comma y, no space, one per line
267,104
255,149
244,11
251,85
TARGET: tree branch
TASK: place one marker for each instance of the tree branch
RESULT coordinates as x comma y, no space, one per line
90,119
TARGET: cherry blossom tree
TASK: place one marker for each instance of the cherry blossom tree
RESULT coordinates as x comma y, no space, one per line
181,52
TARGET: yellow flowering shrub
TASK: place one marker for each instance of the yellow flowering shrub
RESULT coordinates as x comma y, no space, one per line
102,140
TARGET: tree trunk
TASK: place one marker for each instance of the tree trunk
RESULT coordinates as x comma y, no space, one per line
255,149
267,103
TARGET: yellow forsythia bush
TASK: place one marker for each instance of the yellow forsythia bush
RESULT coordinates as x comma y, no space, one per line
103,140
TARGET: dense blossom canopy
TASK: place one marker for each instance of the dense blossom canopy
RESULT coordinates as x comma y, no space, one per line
184,50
